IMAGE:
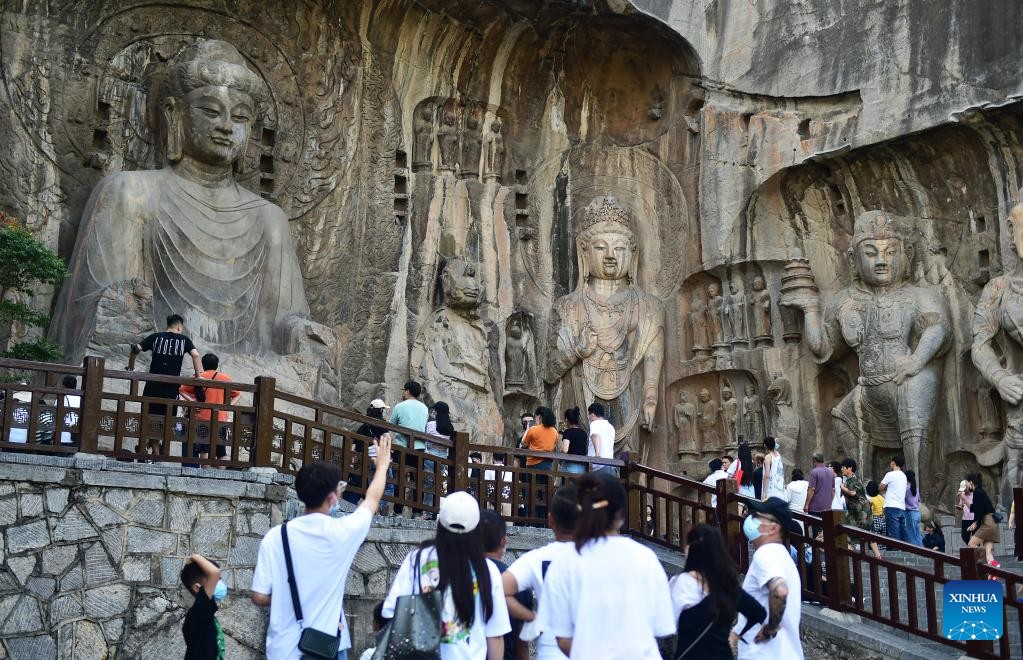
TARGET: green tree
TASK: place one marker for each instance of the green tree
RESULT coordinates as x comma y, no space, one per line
24,263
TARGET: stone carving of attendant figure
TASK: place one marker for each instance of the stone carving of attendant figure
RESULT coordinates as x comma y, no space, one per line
786,418
730,413
422,157
998,322
451,355
471,142
898,330
714,313
761,311
211,250
752,414
737,313
495,150
608,334
518,353
447,138
707,411
698,324
685,414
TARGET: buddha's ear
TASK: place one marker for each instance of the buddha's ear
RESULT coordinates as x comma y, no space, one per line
170,110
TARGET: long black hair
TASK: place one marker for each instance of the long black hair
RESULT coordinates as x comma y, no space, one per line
746,462
706,554
601,499
458,556
546,416
443,419
911,480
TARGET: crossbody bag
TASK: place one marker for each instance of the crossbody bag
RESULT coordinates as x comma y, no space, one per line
314,644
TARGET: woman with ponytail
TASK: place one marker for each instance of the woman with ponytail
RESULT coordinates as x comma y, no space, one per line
474,618
609,599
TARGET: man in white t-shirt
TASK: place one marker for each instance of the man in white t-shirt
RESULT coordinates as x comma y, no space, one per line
602,435
529,571
773,580
893,486
717,473
322,548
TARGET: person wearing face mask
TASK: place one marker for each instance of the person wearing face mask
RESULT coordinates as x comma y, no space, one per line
204,638
314,550
773,580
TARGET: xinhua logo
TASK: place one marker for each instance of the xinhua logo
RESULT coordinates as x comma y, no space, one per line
973,610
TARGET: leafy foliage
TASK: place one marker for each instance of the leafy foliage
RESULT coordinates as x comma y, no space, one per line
25,262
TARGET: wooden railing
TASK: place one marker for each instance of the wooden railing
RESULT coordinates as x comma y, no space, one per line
836,566
267,428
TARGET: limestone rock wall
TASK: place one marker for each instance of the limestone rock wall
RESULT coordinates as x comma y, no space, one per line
401,135
93,550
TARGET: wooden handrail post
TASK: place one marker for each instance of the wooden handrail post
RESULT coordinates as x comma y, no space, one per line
836,565
969,560
633,498
460,463
92,404
728,506
263,433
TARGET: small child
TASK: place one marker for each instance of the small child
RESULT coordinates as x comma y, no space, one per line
204,638
877,510
378,625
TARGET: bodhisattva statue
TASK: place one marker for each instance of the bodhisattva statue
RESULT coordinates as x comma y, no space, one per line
897,330
685,415
608,334
998,321
447,138
451,355
752,414
698,325
422,157
761,312
494,156
736,310
714,315
707,411
730,413
211,250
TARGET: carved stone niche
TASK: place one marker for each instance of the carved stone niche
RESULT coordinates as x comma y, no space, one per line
461,136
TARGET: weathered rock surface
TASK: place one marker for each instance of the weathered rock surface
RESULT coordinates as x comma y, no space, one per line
741,139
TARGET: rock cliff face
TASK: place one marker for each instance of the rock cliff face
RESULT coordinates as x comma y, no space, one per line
743,139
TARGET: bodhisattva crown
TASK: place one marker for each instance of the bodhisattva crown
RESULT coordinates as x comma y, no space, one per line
606,210
875,225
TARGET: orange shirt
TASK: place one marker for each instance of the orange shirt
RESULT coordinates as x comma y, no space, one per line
213,395
540,438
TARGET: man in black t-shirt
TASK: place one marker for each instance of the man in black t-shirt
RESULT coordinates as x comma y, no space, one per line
169,349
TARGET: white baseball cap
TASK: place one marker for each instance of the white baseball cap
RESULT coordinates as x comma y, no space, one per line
378,403
459,512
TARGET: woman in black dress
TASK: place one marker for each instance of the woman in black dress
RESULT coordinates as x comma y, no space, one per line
707,596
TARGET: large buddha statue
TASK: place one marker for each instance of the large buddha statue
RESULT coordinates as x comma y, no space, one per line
898,330
608,334
210,250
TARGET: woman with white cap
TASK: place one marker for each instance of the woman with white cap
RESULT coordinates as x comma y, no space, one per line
474,618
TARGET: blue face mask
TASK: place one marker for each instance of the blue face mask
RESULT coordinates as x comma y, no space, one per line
751,528
220,593
335,509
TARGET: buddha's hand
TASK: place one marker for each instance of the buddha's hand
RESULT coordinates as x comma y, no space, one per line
1010,388
649,409
586,344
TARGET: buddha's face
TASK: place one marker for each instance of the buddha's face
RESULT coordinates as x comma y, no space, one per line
1015,226
683,397
749,389
461,288
713,290
705,395
609,256
726,395
758,284
880,262
216,123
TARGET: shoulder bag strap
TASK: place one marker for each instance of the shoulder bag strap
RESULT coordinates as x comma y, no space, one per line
694,642
291,575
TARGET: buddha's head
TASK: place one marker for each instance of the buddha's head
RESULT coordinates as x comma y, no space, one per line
879,254
704,395
462,289
683,397
758,283
208,103
607,244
